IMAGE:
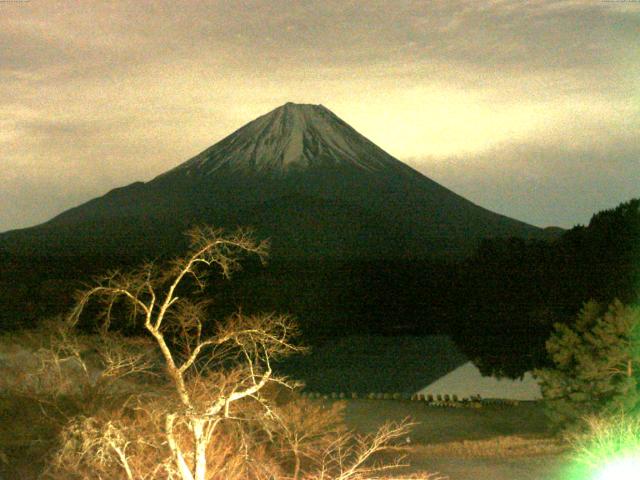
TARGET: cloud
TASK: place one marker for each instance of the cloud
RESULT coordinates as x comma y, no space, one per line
100,94
542,184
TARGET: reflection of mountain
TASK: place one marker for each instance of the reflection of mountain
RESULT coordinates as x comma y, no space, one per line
429,365
371,363
299,175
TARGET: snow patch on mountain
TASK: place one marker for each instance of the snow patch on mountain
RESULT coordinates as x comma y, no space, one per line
291,137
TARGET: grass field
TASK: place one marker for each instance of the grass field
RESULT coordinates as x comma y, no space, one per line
490,443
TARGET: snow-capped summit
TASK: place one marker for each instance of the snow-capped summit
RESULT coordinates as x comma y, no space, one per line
291,137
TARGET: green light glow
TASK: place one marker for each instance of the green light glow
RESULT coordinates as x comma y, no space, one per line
627,468
609,450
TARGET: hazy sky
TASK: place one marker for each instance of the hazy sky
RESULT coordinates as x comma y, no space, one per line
528,108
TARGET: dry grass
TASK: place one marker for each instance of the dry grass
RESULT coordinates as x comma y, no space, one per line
512,446
437,425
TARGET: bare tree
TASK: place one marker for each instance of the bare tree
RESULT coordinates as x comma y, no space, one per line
213,411
177,324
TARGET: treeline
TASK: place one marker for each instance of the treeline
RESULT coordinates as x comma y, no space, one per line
511,292
499,305
34,287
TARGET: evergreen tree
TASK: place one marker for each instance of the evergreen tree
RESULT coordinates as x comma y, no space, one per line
596,364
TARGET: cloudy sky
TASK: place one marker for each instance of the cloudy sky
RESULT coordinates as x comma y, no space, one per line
528,108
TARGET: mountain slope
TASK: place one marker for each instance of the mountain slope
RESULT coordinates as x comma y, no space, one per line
299,175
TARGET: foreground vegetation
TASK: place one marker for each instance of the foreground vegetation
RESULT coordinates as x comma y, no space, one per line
190,400
444,440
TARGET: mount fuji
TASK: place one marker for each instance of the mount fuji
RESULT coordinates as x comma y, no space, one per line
298,175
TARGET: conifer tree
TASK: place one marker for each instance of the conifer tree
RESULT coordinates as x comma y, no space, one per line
596,365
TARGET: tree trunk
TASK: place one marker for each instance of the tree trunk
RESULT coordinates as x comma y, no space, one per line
200,448
178,457
296,470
